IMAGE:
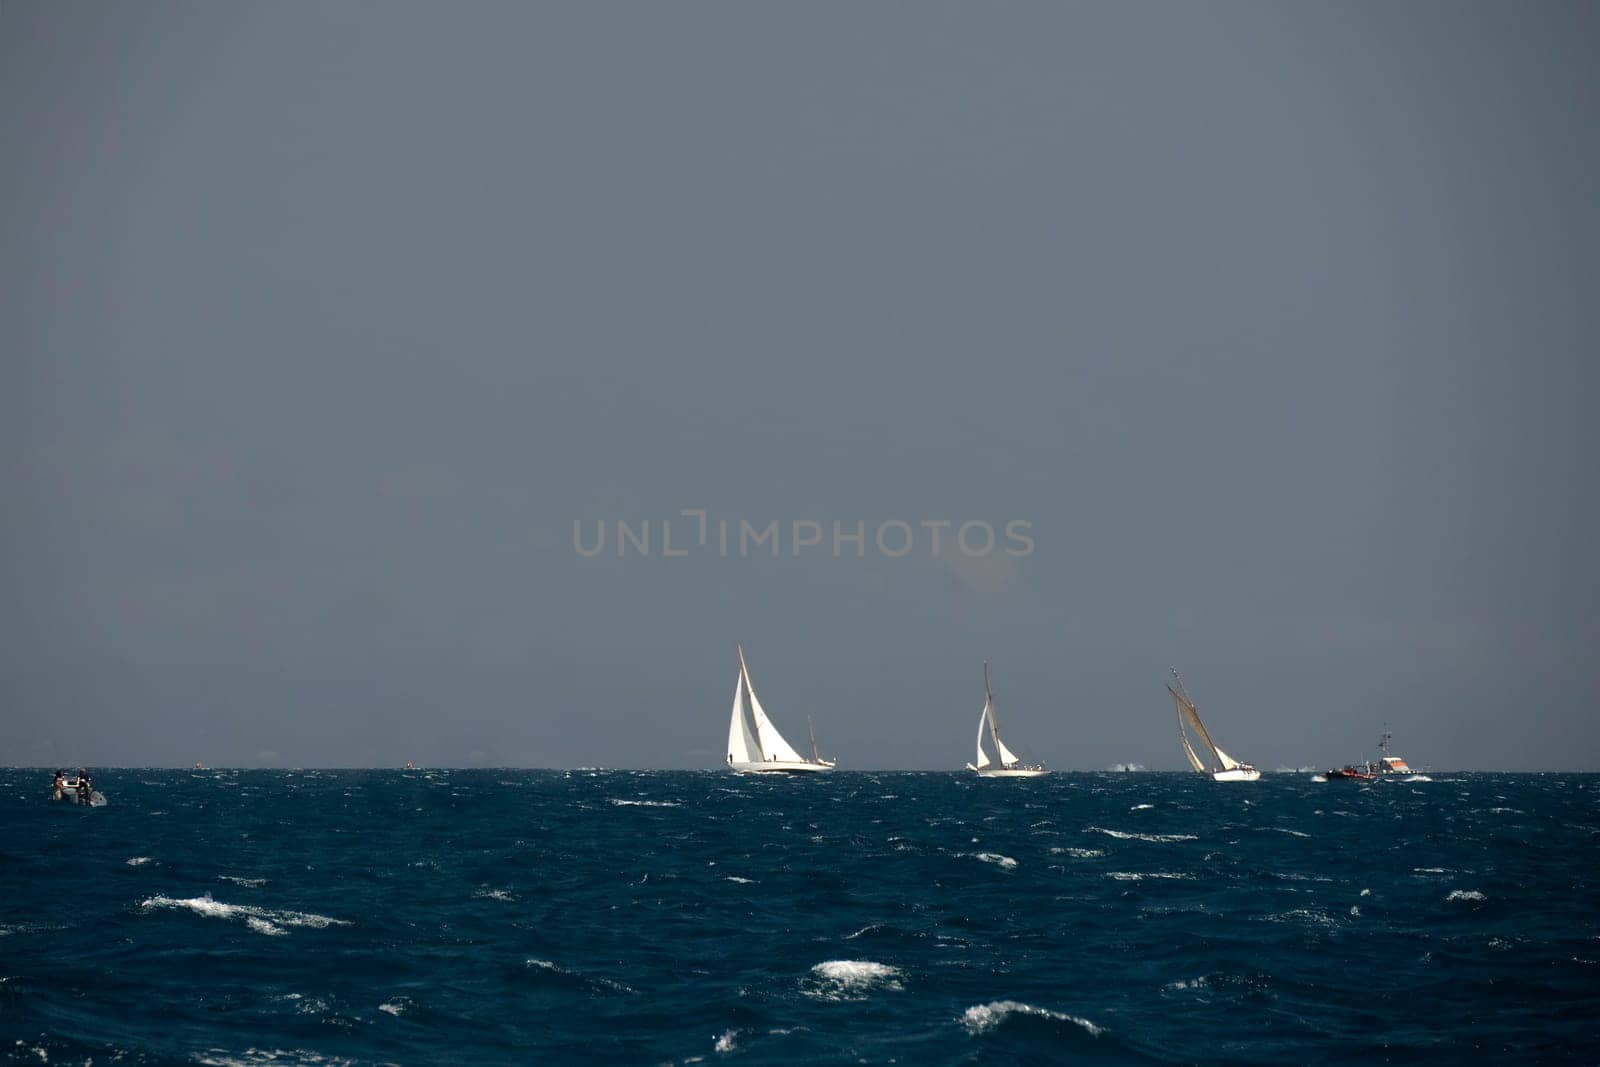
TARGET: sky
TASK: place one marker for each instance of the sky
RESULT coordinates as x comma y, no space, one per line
1273,326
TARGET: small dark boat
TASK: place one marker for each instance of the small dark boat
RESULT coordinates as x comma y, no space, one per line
1358,773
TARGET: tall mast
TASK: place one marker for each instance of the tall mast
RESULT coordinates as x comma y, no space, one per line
813,728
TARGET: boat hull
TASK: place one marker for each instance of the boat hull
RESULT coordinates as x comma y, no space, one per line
1238,774
782,767
1009,772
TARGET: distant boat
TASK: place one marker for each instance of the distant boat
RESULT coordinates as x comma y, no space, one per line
1220,766
754,744
1349,771
1006,764
1388,762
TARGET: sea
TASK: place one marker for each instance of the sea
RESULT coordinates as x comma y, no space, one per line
513,917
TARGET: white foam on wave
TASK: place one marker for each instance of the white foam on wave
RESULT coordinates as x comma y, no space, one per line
1190,983
493,894
1156,839
248,883
138,861
1078,853
981,1018
269,921
1465,894
396,1008
1420,778
256,1057
1286,830
853,979
725,1042
1005,862
645,803
1139,876
1141,807
1319,778
741,881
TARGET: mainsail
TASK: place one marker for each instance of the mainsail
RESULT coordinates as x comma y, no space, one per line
1188,716
983,724
770,742
742,747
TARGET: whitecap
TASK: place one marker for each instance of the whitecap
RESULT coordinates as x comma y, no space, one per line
1191,983
1465,894
1157,839
1141,807
725,1043
852,979
1319,778
981,1018
138,861
394,1007
998,860
262,920
741,881
1139,876
249,883
645,803
493,894
1078,853
1286,830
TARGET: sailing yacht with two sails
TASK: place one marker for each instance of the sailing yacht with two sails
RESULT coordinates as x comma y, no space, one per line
1006,764
1217,763
754,744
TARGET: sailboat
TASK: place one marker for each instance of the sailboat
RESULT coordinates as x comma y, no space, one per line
1006,764
1221,766
754,744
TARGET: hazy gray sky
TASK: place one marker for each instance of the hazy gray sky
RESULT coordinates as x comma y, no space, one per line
321,324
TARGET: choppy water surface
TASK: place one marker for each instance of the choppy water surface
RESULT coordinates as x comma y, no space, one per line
511,916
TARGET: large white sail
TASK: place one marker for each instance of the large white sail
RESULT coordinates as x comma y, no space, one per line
983,725
742,747
772,743
1228,762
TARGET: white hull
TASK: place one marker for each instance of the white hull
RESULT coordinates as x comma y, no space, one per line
1013,772
781,767
1240,774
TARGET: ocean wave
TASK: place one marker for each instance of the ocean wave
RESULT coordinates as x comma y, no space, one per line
725,1042
1141,807
138,861
269,921
493,894
1078,853
982,1018
1139,876
1005,862
1124,835
619,802
254,1057
852,979
1465,894
248,883
560,973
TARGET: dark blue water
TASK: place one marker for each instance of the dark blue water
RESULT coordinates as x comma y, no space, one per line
513,917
